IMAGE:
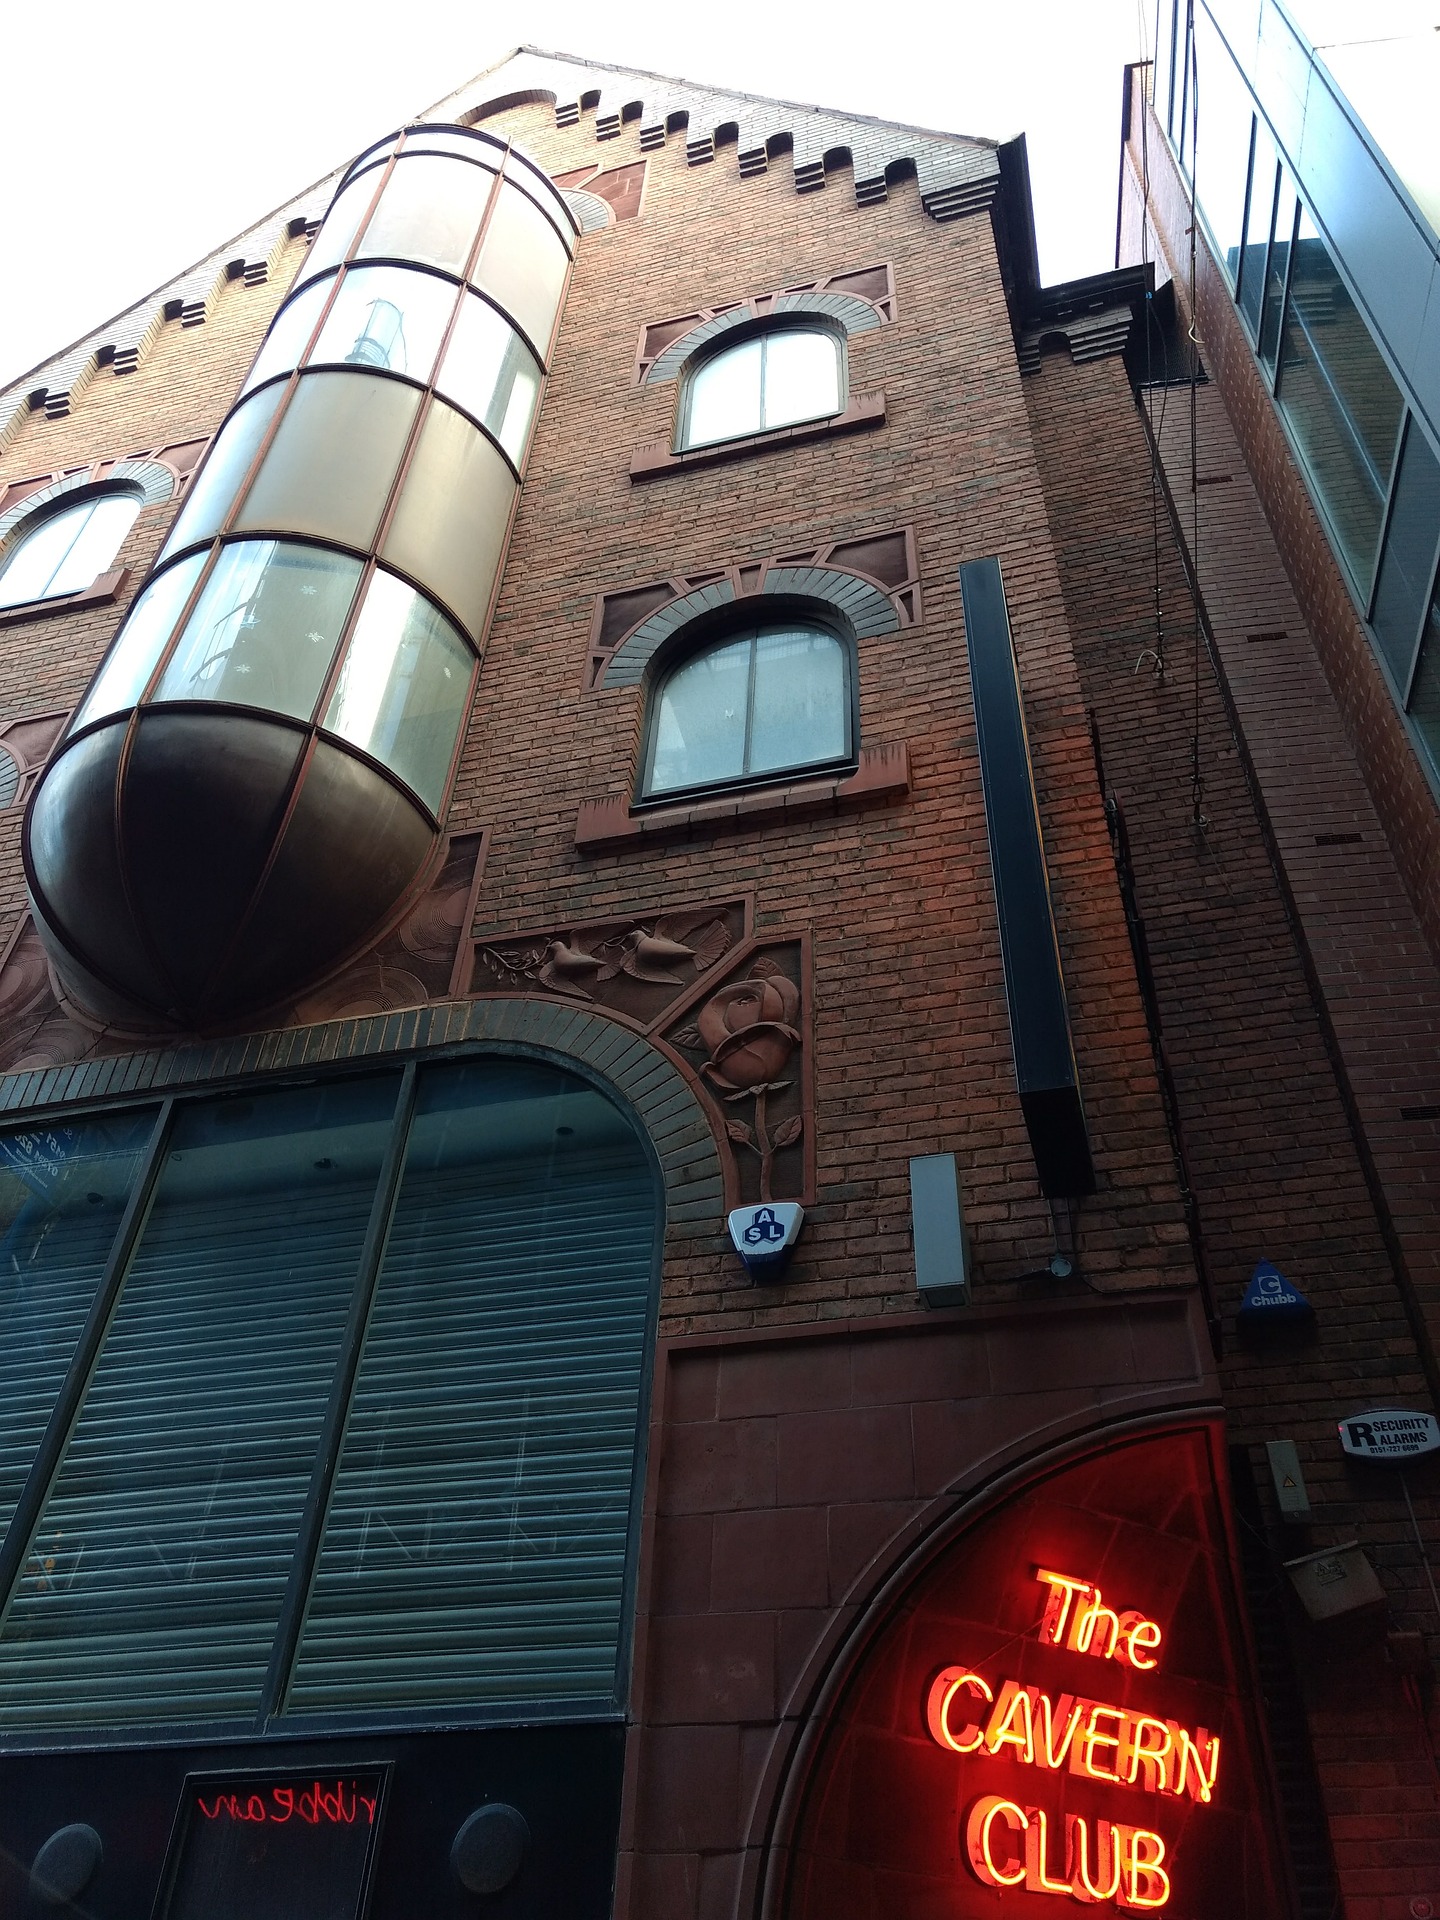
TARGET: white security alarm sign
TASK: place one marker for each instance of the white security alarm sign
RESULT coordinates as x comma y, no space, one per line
763,1236
1390,1433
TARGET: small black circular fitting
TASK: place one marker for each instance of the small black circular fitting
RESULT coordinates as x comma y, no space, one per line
487,1852
65,1865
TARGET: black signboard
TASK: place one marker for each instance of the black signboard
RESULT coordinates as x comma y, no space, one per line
251,1846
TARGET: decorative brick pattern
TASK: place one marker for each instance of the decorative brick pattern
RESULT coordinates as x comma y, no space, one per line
956,176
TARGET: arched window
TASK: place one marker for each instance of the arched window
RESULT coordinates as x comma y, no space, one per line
766,380
66,550
458,1259
758,701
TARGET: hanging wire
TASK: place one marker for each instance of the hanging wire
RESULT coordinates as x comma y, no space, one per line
1155,655
1197,774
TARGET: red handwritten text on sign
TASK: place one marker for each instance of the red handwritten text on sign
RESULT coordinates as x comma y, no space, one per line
339,1805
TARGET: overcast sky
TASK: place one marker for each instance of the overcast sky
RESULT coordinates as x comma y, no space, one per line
141,137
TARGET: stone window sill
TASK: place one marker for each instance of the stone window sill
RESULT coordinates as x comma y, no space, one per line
611,824
100,593
864,410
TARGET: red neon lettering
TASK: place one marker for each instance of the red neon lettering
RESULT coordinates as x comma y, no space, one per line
1189,1765
317,1805
1125,1636
938,1702
1137,1632
1116,1863
1063,1589
1037,1880
1083,1758
980,1845
1145,1746
1081,1637
1105,1883
1146,1882
1002,1731
1070,1712
1099,1742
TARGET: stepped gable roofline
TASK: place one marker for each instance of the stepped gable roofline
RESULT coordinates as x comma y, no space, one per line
956,173
124,339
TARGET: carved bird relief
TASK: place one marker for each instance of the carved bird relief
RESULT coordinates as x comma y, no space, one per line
649,955
565,965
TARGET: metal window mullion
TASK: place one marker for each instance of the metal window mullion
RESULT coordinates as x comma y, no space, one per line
82,1364
332,1434
750,699
1285,290
1407,685
84,521
1387,511
1247,200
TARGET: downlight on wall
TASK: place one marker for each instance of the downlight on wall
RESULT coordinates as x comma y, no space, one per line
254,784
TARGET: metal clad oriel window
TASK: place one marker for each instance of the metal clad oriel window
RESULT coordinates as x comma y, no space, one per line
430,211
387,318
1407,566
140,642
404,686
263,632
475,1547
213,489
523,264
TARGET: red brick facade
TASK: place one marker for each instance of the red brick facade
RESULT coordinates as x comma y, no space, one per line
811,1441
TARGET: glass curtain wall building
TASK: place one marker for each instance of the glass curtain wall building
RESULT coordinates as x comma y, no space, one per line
1296,201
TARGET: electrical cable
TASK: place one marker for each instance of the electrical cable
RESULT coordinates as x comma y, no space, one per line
1197,777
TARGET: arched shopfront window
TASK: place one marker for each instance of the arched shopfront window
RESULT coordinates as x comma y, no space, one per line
449,1271
755,702
67,548
772,379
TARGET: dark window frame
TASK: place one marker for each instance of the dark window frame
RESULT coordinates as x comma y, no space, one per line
700,637
33,523
741,336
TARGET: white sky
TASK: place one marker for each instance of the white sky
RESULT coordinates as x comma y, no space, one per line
142,137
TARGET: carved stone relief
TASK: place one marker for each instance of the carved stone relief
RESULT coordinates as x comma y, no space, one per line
732,1008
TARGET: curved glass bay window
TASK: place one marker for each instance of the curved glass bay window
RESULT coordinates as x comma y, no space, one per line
347,1426
68,548
772,379
754,703
292,682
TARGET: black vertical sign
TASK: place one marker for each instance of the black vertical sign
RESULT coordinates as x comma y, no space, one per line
1034,987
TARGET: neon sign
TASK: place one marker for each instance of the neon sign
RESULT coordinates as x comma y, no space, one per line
292,1843
340,1805
1009,1844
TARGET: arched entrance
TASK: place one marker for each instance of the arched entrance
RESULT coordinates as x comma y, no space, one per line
1057,1707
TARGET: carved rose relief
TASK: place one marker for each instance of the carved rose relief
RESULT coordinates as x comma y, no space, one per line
748,1031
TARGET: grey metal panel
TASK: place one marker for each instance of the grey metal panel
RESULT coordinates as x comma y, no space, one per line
941,1263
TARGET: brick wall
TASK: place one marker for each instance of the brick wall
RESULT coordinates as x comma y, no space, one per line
1271,1149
